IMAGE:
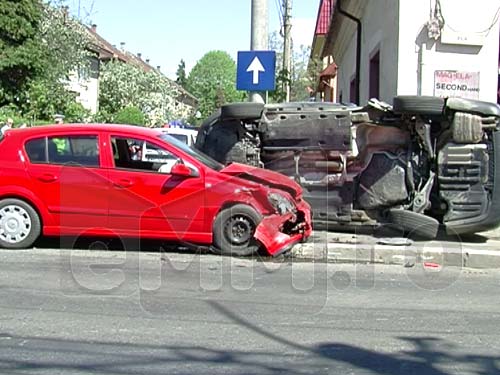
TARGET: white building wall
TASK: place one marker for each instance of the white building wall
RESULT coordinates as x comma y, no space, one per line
346,71
87,91
379,32
89,95
468,43
409,59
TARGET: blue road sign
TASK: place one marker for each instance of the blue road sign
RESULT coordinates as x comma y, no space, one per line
255,70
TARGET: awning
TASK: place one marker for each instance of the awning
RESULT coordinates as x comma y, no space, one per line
329,72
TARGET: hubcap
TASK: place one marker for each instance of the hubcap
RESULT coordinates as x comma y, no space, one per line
239,230
15,224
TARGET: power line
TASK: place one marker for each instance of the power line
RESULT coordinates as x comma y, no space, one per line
280,13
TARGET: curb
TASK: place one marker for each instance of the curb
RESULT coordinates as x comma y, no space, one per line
455,254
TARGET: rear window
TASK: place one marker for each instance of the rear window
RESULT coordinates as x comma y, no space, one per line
81,150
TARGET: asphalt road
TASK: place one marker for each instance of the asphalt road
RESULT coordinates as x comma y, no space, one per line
102,312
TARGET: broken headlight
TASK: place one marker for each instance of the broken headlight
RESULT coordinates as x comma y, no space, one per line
280,203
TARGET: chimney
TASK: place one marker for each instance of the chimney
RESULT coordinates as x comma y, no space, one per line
158,67
147,61
93,28
139,55
122,46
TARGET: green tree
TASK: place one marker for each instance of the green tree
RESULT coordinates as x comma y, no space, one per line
301,77
124,85
213,81
19,52
130,115
41,46
181,74
64,52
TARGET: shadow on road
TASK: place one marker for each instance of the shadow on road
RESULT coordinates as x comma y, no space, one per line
430,356
116,244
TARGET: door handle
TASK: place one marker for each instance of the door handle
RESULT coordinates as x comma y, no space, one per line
47,177
123,183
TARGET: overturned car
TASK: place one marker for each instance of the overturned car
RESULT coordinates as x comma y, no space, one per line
422,163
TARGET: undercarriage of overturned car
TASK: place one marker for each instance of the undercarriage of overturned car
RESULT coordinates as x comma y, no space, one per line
418,165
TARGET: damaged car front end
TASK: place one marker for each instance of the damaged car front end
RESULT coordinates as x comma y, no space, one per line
264,205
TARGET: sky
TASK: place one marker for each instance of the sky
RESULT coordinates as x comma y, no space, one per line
166,31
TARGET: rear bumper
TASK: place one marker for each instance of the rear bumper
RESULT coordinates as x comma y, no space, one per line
270,230
490,217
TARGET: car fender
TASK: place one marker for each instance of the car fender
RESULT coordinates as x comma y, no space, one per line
16,191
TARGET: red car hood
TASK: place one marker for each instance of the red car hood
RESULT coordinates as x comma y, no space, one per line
264,177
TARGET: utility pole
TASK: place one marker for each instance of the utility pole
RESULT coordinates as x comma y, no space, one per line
259,35
287,45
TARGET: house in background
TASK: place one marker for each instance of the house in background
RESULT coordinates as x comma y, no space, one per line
325,89
385,48
85,84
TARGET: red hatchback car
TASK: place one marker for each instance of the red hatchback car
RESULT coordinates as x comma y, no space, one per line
129,181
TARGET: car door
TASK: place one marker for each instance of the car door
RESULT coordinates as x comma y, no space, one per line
145,199
67,175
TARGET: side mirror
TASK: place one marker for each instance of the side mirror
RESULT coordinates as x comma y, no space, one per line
182,170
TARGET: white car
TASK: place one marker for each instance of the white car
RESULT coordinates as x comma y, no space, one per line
185,135
152,153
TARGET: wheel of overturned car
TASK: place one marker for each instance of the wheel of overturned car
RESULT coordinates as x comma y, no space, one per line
414,224
234,230
418,105
247,110
19,224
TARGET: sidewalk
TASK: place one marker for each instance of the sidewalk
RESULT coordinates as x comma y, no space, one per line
477,251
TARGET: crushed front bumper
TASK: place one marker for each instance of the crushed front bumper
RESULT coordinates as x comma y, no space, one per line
278,233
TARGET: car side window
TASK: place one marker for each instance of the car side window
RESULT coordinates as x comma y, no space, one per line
81,150
36,150
138,154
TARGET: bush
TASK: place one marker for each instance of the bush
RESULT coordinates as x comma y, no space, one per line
102,116
75,112
130,115
11,111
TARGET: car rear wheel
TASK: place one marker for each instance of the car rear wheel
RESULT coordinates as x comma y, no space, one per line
19,224
234,230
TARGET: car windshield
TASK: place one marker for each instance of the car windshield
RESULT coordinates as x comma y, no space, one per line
202,158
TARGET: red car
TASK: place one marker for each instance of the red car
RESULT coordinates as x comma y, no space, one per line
97,180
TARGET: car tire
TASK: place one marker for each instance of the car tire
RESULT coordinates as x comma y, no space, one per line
234,229
418,105
242,111
20,224
416,225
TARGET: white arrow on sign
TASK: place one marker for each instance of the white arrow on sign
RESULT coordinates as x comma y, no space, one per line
255,67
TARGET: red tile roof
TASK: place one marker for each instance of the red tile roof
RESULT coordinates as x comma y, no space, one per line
324,16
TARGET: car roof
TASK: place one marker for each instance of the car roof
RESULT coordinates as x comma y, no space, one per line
75,128
179,131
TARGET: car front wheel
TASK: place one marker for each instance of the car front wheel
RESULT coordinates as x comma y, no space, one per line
234,230
19,224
